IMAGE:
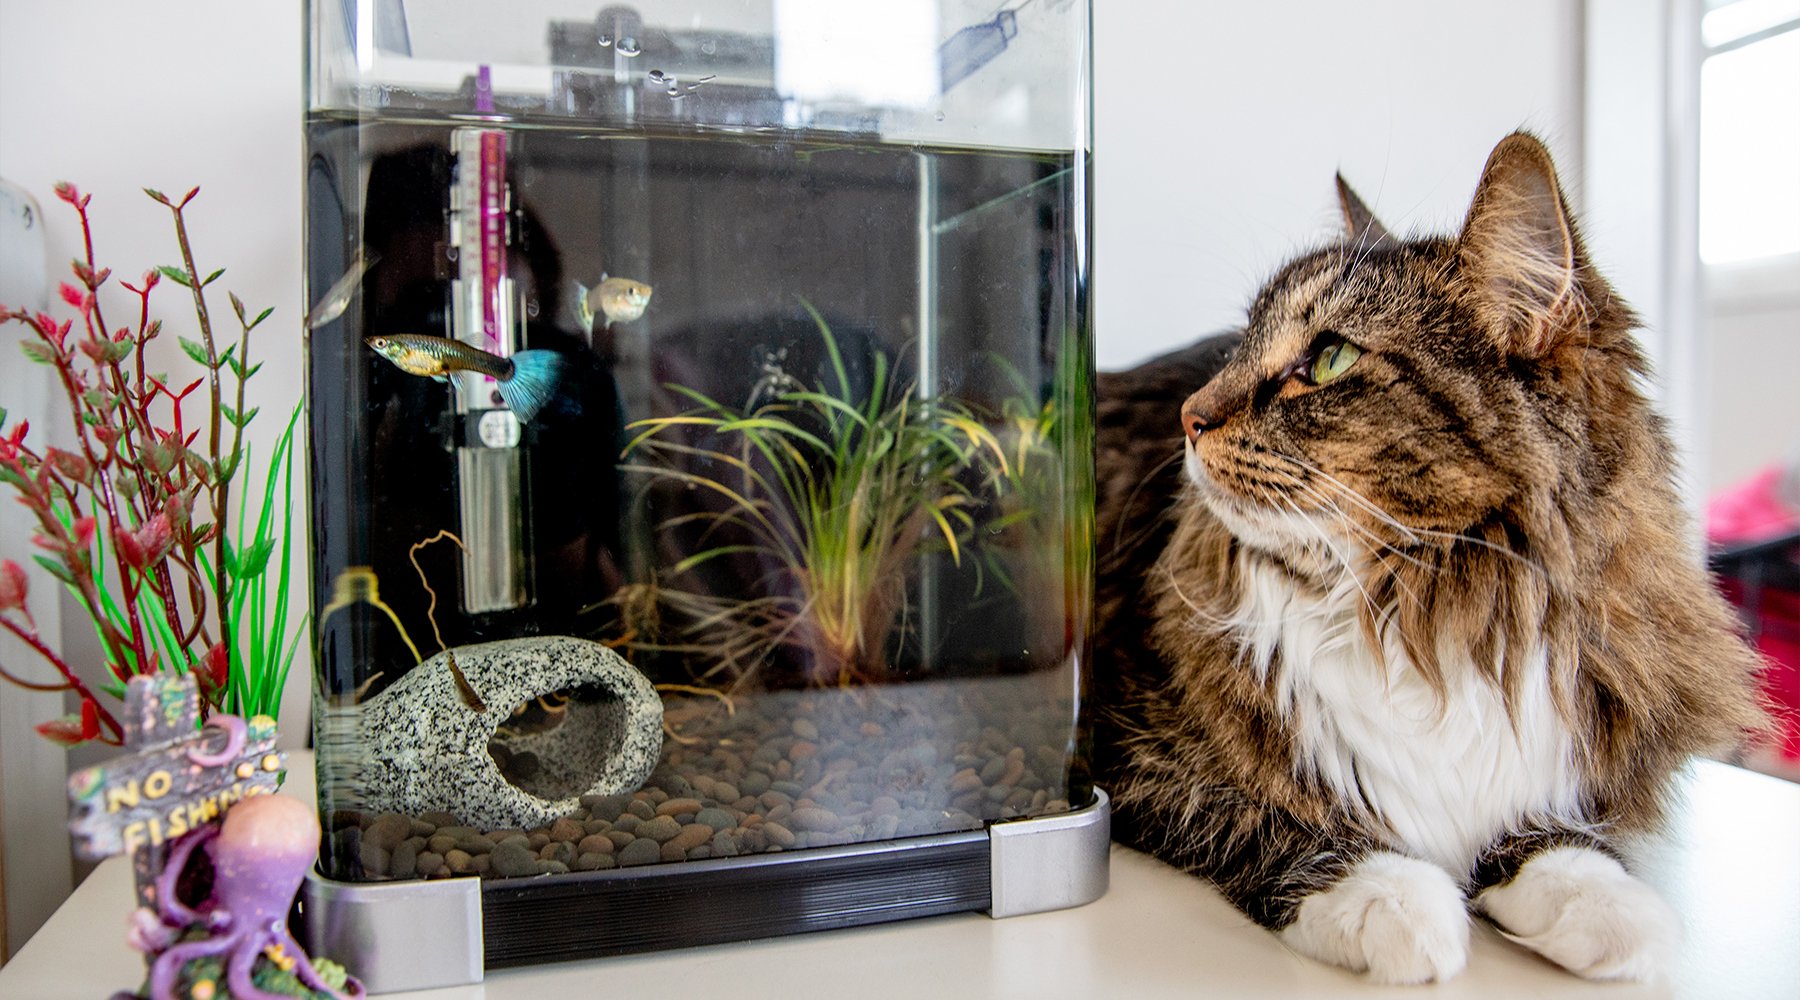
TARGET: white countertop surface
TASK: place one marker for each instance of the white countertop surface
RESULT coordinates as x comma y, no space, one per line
1730,865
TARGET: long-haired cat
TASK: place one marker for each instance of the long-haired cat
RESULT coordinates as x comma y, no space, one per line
1414,626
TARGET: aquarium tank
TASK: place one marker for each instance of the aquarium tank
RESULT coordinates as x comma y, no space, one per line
699,398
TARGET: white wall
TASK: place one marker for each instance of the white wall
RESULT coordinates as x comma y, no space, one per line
1218,128
1753,410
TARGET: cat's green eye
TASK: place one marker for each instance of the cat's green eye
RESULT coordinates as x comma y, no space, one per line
1333,359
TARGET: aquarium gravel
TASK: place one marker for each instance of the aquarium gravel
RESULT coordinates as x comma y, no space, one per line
769,772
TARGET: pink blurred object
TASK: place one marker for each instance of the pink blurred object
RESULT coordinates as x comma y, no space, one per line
1763,581
1751,511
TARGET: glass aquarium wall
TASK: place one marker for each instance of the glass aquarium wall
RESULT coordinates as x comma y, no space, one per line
700,409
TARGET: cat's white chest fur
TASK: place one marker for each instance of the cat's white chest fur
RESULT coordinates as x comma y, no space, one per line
1446,776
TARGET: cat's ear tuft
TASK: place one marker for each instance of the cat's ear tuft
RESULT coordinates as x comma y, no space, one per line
1360,225
1520,250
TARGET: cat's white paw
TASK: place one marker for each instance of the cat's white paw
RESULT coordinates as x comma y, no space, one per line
1400,919
1580,909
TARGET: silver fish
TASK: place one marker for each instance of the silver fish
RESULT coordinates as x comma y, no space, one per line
337,297
619,300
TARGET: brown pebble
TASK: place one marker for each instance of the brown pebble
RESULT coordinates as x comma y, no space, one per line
805,729
661,829
669,852
374,859
873,729
675,807
459,861
388,830
813,818
771,799
567,830
884,805
595,843
620,837
538,840
802,750
690,837
429,862
776,834
725,793
482,863
594,861
778,813
965,780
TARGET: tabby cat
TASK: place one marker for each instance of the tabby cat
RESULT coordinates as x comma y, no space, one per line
1411,624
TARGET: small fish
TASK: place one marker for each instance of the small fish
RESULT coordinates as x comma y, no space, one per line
620,300
464,689
526,380
337,297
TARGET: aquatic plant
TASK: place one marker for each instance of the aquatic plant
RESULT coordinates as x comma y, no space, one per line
1049,440
121,517
837,494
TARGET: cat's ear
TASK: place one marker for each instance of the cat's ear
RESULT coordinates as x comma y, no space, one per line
1360,225
1520,250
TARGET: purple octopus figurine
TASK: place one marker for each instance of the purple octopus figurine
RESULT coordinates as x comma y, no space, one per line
260,854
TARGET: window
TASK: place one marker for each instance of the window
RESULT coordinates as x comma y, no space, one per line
1750,130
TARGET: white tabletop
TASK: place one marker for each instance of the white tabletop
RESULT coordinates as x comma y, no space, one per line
1731,866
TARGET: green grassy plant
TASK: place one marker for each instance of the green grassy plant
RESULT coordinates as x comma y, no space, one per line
840,494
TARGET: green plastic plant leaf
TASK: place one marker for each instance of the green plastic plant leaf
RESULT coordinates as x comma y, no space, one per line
55,569
175,274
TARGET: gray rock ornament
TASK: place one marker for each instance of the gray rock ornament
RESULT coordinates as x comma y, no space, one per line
427,735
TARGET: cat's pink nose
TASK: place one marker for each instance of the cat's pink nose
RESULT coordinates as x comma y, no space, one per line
1194,423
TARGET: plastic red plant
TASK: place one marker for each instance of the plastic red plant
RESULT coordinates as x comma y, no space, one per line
116,514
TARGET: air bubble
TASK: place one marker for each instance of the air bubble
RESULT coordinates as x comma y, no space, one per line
450,253
939,116
604,41
628,47
709,47
674,91
656,76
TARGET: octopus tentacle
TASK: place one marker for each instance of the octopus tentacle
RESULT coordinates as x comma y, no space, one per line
310,976
235,730
168,904
168,964
243,961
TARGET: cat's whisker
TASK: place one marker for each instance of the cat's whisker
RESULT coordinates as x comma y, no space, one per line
1381,543
1343,560
1418,533
1350,493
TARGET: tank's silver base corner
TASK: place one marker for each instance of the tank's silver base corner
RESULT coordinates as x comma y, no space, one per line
1051,862
397,936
